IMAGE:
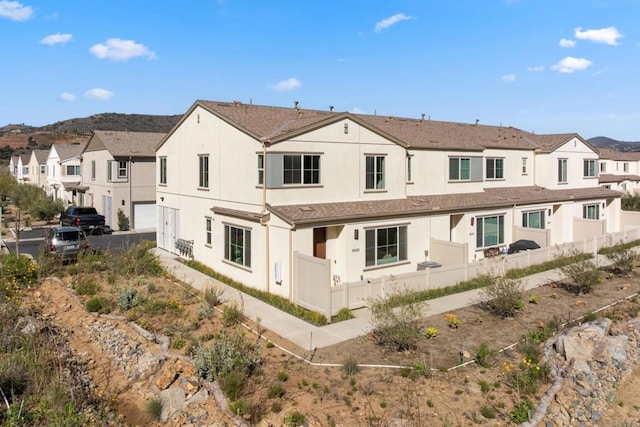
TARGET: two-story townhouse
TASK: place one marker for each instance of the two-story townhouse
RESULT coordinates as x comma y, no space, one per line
13,165
23,167
119,173
619,170
250,187
63,172
38,168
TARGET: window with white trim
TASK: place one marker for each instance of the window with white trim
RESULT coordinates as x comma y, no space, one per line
43,169
374,174
590,169
410,168
301,169
524,166
489,231
533,219
603,167
25,170
73,170
203,171
562,171
591,211
207,226
385,245
459,168
117,170
163,171
93,170
237,245
260,169
625,167
494,168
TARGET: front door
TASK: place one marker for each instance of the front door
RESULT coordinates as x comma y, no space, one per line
320,242
107,208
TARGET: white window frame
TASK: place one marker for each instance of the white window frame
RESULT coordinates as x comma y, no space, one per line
234,252
162,179
527,216
563,170
74,169
301,172
377,241
375,165
207,227
603,167
524,166
410,168
260,169
482,238
590,168
203,171
625,167
494,161
459,176
591,211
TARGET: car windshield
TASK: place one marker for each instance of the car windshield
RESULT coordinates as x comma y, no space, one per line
68,235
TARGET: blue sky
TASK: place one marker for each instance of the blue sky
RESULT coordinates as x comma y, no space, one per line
546,66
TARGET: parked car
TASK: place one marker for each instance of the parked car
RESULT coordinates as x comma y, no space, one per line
84,217
65,242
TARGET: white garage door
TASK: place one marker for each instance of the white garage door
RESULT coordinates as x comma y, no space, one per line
144,216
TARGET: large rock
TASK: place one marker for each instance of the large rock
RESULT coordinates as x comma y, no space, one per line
173,403
148,365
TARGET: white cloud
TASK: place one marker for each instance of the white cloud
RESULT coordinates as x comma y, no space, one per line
98,94
536,69
608,35
567,43
15,11
387,22
121,50
571,64
56,39
68,97
288,84
356,110
509,78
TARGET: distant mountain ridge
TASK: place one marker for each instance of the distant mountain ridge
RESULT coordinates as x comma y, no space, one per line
614,144
78,130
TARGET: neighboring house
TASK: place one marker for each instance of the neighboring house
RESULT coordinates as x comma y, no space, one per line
118,173
250,189
38,168
64,172
23,168
619,170
13,165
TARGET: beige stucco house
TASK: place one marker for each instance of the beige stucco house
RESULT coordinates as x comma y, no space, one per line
119,173
247,189
63,172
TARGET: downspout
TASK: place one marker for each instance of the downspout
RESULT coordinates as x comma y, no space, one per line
264,215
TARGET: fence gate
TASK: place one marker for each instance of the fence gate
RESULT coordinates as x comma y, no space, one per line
312,283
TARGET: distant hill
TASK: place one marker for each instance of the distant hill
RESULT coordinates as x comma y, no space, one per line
614,144
78,130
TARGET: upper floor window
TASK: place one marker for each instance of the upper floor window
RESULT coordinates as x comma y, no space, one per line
260,169
459,168
591,211
301,169
374,179
590,168
562,170
163,170
237,245
409,168
603,167
25,170
533,219
203,180
73,170
385,245
93,170
117,170
524,166
43,169
625,166
489,231
494,168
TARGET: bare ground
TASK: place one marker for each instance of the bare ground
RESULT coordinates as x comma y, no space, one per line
374,396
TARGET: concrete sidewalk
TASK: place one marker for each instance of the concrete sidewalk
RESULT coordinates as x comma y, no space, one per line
308,336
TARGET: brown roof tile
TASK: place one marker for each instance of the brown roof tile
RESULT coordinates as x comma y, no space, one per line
605,178
125,144
425,205
609,154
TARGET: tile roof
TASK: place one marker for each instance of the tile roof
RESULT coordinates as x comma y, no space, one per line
551,142
125,144
41,156
67,151
609,154
605,178
277,123
324,213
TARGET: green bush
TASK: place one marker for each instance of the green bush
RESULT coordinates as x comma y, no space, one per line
232,384
86,285
154,408
485,356
558,262
294,419
520,414
128,298
230,352
623,257
213,295
18,270
232,314
241,407
503,297
350,366
488,412
343,314
275,391
393,328
98,305
584,275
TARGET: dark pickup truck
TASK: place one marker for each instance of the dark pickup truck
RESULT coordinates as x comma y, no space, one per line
86,218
